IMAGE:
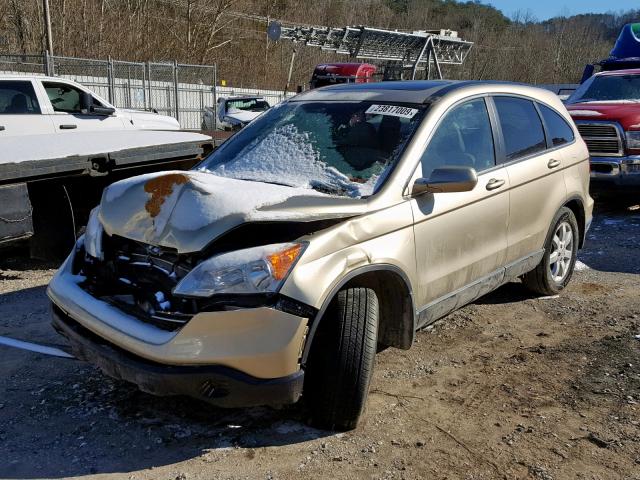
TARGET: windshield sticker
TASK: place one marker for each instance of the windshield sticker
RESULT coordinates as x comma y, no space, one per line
392,110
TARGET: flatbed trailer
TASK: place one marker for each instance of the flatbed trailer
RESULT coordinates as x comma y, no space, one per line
46,196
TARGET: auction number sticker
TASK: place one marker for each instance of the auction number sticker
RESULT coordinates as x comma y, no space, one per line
392,110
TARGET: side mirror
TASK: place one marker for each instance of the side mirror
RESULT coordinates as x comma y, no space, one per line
446,180
102,110
88,108
85,102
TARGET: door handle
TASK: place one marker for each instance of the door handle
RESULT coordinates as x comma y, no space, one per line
553,163
1,128
69,126
495,183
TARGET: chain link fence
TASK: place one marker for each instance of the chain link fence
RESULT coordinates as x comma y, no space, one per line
179,90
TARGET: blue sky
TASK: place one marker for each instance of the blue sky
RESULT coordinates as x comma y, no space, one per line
543,9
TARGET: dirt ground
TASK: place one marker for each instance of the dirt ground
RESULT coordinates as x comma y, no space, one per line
511,386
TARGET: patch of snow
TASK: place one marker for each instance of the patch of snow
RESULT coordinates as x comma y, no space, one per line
212,197
585,113
549,297
624,101
581,267
288,156
23,148
117,189
34,347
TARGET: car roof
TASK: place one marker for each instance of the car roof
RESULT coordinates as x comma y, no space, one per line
22,76
413,91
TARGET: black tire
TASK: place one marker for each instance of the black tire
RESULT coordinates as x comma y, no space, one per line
541,280
341,360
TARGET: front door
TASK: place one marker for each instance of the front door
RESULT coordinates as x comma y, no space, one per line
461,237
67,115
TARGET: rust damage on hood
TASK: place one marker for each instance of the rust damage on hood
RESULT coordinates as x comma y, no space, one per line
160,188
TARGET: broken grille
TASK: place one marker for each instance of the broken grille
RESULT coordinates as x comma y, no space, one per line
139,278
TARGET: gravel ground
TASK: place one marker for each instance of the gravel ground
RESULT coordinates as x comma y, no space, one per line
511,386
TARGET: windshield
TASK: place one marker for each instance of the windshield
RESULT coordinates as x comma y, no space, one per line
341,148
608,88
248,104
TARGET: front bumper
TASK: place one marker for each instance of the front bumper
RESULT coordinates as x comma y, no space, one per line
259,345
218,385
615,171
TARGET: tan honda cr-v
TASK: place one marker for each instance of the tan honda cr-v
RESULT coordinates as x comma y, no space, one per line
345,218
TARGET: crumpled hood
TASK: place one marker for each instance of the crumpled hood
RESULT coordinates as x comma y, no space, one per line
187,210
243,116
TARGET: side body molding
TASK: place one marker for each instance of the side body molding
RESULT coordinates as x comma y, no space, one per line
452,301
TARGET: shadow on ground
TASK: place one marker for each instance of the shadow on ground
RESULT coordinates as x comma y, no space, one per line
81,422
64,418
616,222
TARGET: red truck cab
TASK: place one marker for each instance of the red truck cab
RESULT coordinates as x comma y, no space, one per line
606,110
332,73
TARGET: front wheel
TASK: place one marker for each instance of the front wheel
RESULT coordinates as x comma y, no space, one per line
560,250
341,360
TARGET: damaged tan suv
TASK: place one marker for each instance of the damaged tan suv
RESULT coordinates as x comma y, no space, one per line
340,221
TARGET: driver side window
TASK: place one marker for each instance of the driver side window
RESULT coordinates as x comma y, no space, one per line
65,98
463,138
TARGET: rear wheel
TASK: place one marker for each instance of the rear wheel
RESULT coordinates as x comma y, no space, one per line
341,360
561,247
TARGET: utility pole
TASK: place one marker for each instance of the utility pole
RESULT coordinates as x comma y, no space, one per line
47,26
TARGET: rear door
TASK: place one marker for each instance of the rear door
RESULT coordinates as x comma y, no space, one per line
534,165
66,114
20,112
461,237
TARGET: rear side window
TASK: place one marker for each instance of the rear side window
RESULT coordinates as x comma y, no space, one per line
521,127
18,97
558,129
463,138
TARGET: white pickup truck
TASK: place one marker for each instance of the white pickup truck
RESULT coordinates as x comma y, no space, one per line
61,144
38,105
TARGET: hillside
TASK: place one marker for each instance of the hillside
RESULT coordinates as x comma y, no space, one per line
205,31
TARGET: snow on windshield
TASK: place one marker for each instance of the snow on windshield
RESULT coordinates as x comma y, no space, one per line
287,156
337,148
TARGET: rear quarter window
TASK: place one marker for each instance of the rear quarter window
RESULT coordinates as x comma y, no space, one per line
559,131
18,97
521,127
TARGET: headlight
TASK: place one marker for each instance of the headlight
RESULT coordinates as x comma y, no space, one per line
252,270
633,139
93,235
